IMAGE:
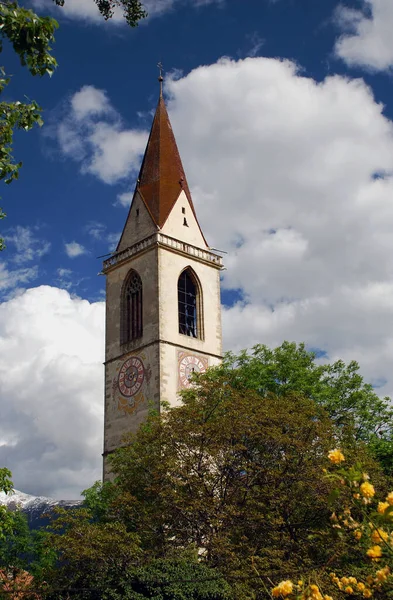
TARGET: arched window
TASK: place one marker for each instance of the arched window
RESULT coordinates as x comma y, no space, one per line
189,304
132,321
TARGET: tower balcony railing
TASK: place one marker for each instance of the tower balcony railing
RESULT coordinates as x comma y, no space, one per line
163,240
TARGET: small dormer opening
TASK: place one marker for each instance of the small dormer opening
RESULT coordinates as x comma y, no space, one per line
183,210
137,212
185,222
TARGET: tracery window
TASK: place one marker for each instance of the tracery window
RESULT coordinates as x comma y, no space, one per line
189,304
132,317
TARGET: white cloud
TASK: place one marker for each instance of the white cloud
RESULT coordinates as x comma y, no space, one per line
283,174
25,245
73,249
13,278
95,230
113,239
64,272
86,10
90,101
366,40
124,199
98,231
92,133
51,391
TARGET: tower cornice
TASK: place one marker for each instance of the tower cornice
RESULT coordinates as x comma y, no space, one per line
167,242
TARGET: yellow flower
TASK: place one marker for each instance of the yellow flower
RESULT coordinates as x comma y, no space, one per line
352,580
379,535
382,506
357,534
374,552
356,496
315,594
389,498
348,590
345,580
361,587
284,588
382,574
367,593
367,490
336,456
300,583
327,598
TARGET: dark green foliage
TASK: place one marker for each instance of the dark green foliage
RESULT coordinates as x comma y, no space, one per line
337,387
6,522
105,560
177,579
23,549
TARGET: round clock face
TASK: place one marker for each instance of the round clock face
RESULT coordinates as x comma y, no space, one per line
188,365
131,376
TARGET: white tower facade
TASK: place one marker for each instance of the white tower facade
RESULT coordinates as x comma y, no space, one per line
163,309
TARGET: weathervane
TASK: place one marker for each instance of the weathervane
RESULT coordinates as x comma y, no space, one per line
161,78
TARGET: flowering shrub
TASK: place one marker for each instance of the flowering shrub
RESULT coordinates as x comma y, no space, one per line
370,522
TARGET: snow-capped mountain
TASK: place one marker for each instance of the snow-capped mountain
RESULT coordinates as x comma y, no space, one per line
34,506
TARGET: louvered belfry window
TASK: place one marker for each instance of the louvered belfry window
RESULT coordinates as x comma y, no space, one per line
187,293
132,326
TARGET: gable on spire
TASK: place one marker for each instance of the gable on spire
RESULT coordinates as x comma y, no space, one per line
162,178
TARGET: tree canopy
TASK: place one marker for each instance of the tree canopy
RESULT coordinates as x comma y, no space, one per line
236,474
224,494
339,388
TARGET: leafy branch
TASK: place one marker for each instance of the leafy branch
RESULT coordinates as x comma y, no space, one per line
30,37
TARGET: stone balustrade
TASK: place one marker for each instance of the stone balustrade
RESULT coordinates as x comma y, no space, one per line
163,240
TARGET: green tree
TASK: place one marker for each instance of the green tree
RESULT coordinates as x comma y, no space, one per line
30,37
237,476
104,559
6,521
337,387
23,553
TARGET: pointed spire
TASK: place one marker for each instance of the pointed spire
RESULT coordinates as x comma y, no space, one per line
162,178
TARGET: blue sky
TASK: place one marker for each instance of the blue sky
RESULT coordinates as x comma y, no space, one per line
283,115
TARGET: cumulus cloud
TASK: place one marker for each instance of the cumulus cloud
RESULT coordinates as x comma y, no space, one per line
86,10
366,38
283,178
293,178
51,391
73,249
92,133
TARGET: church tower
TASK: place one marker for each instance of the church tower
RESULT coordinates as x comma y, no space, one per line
163,310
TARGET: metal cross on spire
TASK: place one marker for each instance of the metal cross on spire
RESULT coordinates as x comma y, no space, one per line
160,78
